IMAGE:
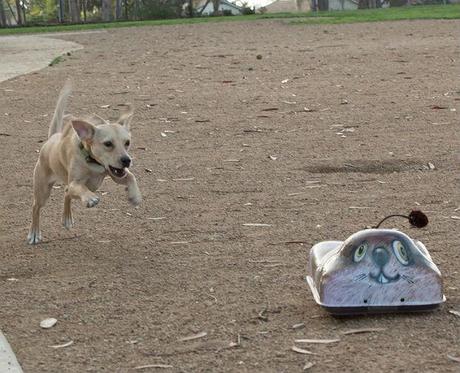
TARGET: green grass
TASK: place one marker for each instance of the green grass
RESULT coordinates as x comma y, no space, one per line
56,61
348,16
388,14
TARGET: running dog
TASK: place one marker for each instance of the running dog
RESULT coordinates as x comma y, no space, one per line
81,153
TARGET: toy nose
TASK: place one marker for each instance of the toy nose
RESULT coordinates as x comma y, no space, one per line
381,256
125,161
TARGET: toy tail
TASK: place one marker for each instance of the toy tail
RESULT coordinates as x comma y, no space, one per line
57,121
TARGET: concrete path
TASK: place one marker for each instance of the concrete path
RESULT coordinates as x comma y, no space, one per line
27,53
8,361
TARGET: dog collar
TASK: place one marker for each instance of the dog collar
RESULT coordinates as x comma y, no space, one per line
87,155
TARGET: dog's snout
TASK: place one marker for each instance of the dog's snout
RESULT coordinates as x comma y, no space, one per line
125,161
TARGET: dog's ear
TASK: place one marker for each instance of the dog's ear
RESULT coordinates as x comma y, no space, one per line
125,118
84,130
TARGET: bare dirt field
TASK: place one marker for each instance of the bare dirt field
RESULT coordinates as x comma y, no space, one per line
228,142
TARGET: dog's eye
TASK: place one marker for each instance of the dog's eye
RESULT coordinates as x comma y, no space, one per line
109,144
127,143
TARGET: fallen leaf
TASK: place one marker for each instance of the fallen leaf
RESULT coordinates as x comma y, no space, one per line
308,365
431,166
256,225
455,217
262,315
285,81
48,323
364,330
437,107
70,343
454,358
165,366
301,351
270,109
298,326
456,313
273,158
105,106
163,134
319,341
194,336
148,170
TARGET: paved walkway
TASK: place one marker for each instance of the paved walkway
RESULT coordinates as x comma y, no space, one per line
24,54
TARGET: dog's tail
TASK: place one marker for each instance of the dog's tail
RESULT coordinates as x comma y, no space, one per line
57,121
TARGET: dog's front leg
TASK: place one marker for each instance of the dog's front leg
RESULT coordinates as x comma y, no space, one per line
79,191
134,194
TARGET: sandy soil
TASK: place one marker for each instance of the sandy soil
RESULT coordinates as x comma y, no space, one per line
125,285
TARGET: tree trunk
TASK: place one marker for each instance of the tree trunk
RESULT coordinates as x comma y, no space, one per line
84,10
19,13
61,11
323,5
363,4
74,11
106,10
118,13
2,14
215,6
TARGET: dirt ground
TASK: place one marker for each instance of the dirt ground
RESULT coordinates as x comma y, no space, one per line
126,284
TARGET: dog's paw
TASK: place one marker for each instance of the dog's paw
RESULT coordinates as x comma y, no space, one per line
67,222
135,199
34,237
92,201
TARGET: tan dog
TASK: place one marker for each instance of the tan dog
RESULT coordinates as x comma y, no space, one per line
81,153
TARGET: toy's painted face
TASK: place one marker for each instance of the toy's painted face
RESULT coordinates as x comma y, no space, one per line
379,268
382,261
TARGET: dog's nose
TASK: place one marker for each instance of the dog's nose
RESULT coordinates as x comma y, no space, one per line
125,161
380,256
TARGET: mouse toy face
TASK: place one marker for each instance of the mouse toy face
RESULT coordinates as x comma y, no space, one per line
374,268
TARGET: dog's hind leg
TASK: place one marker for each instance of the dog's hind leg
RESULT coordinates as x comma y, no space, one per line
67,219
42,189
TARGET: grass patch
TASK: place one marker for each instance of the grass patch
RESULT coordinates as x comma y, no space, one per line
56,60
388,14
348,16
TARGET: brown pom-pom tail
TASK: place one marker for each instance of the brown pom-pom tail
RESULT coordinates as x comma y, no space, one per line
418,219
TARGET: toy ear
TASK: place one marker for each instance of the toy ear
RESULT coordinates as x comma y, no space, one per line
418,219
84,130
125,118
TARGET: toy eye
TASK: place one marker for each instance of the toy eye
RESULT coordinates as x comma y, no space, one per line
109,144
127,143
360,252
401,252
